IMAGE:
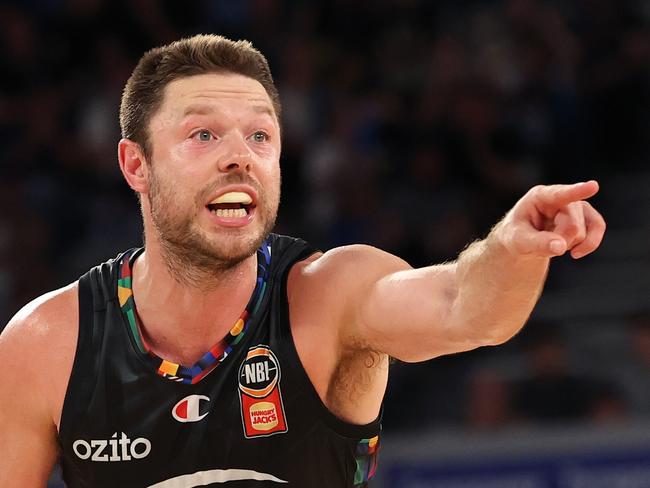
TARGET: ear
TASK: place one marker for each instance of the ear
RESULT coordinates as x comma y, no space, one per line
133,165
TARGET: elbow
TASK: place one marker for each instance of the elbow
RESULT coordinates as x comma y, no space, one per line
497,340
496,334
484,328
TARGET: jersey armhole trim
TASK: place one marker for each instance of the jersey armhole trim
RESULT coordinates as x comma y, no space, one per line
77,375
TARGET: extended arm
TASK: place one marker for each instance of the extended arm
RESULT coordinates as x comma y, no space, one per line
484,297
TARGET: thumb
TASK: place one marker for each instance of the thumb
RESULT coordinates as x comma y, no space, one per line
540,243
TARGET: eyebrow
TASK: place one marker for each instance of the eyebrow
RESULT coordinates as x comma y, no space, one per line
264,109
209,109
198,110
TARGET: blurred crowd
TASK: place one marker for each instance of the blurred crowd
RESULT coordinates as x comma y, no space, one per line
411,125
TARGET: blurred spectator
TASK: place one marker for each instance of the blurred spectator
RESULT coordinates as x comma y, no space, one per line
550,392
636,372
609,405
489,401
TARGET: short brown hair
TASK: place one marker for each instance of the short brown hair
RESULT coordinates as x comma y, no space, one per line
200,54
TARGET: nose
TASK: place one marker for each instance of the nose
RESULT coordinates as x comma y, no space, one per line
236,155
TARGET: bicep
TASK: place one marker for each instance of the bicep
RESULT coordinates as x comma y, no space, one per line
27,432
29,449
379,302
407,314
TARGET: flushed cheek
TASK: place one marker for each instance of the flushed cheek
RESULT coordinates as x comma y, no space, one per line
269,176
267,152
188,151
268,159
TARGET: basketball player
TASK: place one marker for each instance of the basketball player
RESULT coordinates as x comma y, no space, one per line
222,353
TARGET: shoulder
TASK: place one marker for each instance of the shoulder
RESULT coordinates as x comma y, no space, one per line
42,319
350,266
40,342
332,284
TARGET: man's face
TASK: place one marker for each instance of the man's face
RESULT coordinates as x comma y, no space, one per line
214,173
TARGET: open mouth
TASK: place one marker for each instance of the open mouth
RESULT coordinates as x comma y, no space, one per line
232,205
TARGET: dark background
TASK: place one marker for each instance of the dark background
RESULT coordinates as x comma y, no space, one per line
410,125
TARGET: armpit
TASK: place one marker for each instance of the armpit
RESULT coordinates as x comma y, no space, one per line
358,384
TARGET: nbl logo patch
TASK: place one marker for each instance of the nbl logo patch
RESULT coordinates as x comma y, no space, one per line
262,410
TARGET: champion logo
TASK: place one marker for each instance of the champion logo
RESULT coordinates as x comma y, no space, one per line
189,409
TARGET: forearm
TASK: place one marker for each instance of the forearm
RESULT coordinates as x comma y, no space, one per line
483,298
497,289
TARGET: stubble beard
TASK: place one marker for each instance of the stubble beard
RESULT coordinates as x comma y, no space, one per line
193,258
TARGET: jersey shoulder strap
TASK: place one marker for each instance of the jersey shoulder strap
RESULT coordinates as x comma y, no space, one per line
286,252
95,290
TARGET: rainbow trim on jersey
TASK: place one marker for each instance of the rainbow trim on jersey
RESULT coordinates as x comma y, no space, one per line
218,352
366,456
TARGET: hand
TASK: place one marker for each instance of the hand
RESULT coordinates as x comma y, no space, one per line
551,220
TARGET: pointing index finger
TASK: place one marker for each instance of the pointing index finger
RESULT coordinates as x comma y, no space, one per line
557,196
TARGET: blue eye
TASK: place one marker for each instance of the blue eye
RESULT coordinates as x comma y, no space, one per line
260,136
203,135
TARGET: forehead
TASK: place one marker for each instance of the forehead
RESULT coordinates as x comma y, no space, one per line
225,90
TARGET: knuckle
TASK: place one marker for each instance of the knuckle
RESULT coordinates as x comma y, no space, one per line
572,228
536,190
519,241
590,243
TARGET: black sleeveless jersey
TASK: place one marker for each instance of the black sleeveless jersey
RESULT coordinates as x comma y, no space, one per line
245,415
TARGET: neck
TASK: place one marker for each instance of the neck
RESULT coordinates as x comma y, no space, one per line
182,318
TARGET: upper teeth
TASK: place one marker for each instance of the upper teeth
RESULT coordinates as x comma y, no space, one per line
234,197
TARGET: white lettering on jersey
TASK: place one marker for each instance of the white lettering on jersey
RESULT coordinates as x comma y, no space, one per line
121,448
249,370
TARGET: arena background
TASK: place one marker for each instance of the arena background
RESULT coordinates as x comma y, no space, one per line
410,125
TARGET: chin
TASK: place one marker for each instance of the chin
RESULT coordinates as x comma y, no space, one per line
235,245
236,250
210,249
